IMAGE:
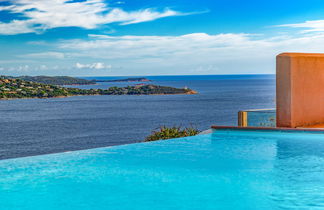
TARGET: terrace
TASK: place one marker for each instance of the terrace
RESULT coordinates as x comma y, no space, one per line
300,95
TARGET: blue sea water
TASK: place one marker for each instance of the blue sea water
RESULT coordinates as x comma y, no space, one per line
40,126
232,170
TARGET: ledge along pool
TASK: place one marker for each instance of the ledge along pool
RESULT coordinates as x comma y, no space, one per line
221,170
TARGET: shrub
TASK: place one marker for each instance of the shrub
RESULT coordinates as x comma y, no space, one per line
164,133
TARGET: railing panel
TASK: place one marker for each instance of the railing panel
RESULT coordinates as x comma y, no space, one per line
257,118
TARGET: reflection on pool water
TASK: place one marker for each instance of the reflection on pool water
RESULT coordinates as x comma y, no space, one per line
222,170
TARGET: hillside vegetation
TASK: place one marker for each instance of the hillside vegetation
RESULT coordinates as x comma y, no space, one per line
56,80
17,88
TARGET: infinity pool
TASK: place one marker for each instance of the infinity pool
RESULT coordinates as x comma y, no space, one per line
222,170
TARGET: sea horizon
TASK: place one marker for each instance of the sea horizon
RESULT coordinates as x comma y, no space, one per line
167,75
196,77
86,122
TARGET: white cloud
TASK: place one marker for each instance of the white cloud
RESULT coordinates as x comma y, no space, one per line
46,55
143,15
16,27
309,26
21,69
120,2
209,69
199,46
92,66
199,52
89,14
43,67
25,68
98,36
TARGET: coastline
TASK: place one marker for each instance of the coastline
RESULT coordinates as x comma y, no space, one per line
188,93
31,115
79,84
11,89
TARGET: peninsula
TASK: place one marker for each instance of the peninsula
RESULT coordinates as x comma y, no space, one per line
17,88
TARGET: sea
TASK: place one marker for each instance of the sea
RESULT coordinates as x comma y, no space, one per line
40,126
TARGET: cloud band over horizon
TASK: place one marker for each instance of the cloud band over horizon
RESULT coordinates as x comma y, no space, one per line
107,37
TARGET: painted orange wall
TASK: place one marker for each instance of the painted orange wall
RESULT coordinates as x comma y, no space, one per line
300,89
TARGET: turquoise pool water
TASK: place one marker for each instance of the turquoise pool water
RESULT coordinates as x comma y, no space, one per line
222,170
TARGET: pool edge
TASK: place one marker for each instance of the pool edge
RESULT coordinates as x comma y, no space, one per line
316,130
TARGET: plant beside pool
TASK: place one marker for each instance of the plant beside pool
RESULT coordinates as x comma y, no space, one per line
164,133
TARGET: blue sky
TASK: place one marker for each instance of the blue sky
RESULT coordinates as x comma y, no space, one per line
150,37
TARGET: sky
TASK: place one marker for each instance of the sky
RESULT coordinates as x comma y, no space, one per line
154,37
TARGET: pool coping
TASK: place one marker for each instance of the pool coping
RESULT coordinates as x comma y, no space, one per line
217,127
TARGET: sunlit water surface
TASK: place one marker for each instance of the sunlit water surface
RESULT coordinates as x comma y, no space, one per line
224,170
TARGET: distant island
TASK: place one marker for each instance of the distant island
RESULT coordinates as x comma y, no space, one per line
12,88
54,80
140,79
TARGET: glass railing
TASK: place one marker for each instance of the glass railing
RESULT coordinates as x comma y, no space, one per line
257,118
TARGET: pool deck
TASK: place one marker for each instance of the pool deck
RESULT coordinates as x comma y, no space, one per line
313,129
318,126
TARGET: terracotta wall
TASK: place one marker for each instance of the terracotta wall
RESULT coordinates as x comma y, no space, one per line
300,89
